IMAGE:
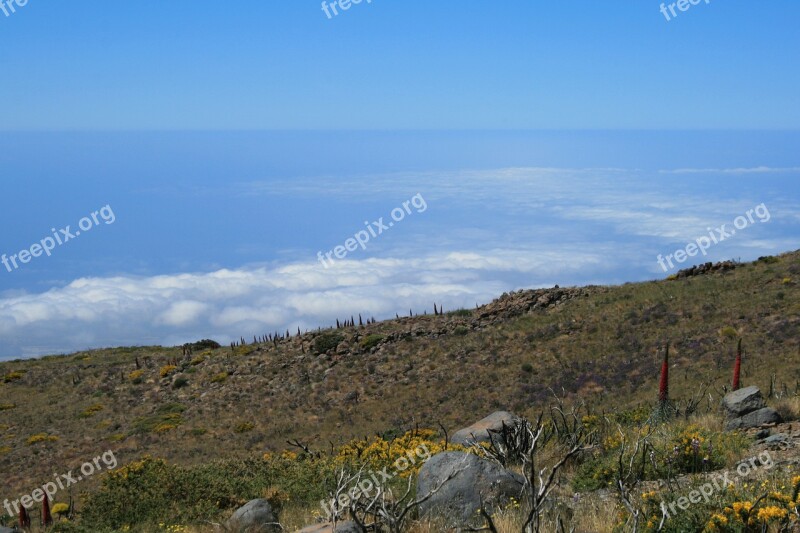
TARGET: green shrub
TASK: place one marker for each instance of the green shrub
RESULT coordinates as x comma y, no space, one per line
527,367
180,382
673,455
205,344
327,341
370,341
461,330
152,492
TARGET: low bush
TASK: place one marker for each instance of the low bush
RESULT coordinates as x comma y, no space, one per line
371,341
327,341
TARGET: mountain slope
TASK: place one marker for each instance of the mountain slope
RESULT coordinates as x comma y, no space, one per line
599,343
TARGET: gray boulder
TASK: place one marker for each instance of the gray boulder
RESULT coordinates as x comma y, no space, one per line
4,529
754,419
256,516
341,527
745,408
740,402
475,480
480,428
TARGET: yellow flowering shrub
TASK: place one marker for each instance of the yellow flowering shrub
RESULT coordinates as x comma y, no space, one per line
219,378
166,370
59,509
405,454
92,410
41,437
13,376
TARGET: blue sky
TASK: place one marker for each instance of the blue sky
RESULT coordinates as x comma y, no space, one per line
399,64
552,143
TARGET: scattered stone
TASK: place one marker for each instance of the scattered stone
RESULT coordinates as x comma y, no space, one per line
779,441
478,432
459,499
763,434
256,516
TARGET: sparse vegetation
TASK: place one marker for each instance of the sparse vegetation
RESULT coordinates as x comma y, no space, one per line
166,417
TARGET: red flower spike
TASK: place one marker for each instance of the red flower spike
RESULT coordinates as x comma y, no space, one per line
663,386
737,367
24,519
47,518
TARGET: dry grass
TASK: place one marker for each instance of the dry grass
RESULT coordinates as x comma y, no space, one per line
789,408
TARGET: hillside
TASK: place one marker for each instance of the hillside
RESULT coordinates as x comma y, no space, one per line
599,343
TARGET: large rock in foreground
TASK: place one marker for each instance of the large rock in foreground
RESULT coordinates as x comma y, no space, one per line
459,499
746,408
256,516
478,431
743,401
754,419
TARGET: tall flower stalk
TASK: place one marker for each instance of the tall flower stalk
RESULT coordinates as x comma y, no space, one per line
737,367
663,385
47,517
24,519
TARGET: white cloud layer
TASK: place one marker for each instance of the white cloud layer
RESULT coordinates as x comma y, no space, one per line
510,228
226,304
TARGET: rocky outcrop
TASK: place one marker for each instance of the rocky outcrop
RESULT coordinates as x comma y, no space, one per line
256,516
745,408
706,268
516,303
474,480
479,431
